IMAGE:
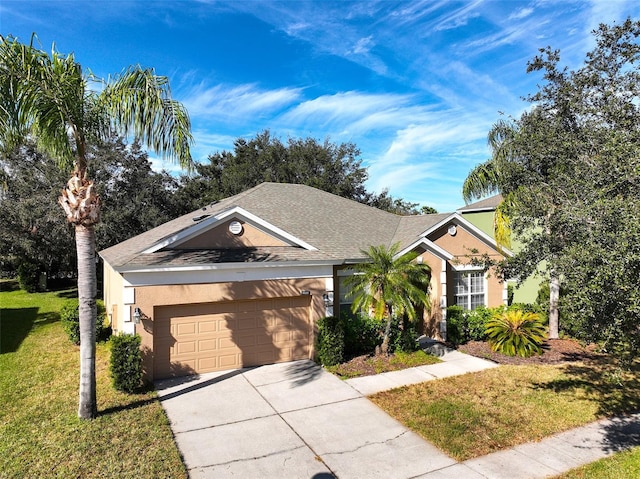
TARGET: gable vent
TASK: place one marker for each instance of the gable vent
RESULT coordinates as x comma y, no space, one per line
235,227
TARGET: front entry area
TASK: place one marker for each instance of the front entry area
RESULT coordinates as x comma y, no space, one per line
206,337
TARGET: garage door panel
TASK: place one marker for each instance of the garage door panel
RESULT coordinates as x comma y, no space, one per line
207,326
217,336
206,345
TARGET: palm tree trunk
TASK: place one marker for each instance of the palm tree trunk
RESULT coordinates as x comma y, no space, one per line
554,314
87,290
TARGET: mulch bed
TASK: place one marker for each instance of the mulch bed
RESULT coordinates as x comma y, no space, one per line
554,351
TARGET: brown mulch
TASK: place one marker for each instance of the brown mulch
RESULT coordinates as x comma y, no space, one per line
554,351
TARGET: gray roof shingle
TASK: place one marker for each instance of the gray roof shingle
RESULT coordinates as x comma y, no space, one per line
338,227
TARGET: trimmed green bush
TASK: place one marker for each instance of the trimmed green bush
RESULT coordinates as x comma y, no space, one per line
361,334
28,276
126,362
330,341
516,332
455,325
476,322
70,319
403,340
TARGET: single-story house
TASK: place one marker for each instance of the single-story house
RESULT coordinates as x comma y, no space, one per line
242,281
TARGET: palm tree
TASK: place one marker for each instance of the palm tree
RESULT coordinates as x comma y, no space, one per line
48,97
389,285
489,177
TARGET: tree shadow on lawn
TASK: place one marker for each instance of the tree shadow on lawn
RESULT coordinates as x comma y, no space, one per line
617,394
16,323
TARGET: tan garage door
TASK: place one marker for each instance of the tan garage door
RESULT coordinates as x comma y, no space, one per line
199,338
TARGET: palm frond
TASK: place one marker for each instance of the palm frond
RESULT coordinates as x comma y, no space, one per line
483,180
138,102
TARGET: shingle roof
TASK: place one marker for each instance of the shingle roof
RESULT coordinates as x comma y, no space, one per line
338,227
488,204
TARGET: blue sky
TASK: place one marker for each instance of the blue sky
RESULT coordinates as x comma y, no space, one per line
416,85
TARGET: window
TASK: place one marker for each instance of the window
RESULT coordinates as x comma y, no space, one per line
345,301
469,289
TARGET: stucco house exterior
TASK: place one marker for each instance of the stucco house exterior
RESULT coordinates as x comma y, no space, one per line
242,281
481,214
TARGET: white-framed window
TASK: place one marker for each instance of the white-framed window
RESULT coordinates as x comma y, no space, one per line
470,289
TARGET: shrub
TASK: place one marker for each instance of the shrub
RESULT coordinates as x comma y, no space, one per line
403,340
463,326
126,362
330,341
455,324
70,319
476,322
516,332
28,276
361,334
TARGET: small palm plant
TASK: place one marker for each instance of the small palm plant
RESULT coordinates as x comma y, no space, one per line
516,332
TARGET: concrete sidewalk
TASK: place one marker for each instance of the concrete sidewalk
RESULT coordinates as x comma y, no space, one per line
453,363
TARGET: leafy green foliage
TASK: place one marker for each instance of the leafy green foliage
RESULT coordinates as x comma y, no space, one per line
516,332
28,274
403,338
331,167
569,169
33,228
389,286
362,333
126,362
70,319
463,326
330,341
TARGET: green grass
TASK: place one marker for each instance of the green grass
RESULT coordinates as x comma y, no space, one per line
382,364
476,414
625,465
41,434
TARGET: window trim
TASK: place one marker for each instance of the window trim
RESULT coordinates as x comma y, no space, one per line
468,272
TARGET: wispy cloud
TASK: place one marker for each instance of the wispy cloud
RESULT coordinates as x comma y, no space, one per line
343,108
237,101
521,13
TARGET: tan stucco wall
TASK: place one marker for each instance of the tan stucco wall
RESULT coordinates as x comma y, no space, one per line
221,237
464,246
113,300
147,298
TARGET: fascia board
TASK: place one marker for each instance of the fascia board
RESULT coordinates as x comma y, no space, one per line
460,221
429,246
215,219
476,210
224,266
229,275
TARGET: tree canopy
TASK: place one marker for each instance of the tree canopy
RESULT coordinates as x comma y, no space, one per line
331,167
573,179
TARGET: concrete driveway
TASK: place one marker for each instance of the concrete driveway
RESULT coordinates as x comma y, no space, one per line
289,420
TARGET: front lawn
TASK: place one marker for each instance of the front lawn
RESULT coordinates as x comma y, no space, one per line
41,434
476,414
619,466
371,364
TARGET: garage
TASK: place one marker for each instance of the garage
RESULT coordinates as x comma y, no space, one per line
206,337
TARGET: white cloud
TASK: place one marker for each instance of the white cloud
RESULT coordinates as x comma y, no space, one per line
342,109
363,45
521,13
237,101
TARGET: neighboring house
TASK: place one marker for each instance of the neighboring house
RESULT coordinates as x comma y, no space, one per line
481,214
242,281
